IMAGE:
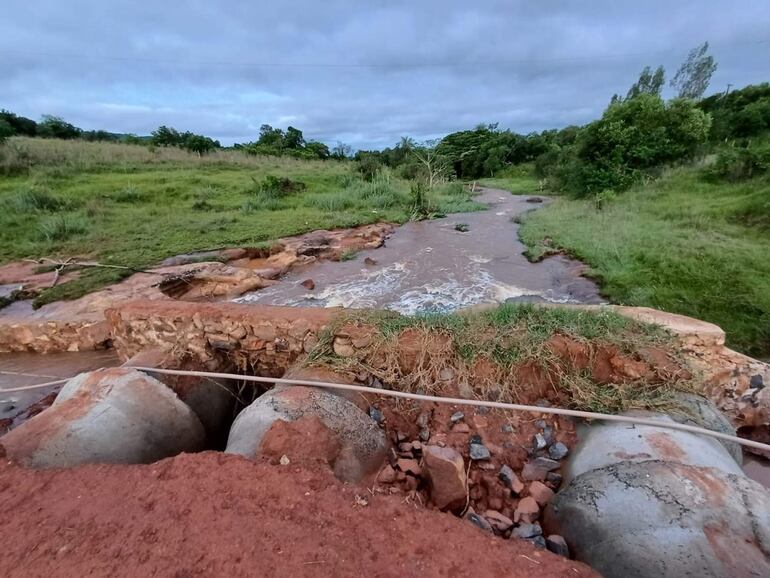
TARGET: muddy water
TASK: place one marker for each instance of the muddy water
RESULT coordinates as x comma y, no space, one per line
19,369
430,266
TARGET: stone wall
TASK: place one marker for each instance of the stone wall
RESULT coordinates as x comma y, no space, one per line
53,336
264,339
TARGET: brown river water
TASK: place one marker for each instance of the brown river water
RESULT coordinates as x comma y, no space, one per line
429,266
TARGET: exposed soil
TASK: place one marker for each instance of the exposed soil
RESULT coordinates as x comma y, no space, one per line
217,515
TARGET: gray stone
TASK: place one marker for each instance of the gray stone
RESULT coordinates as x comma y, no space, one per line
527,531
663,519
607,443
557,545
538,442
554,478
479,452
478,521
558,451
376,414
117,416
424,434
538,541
364,446
756,381
506,428
456,416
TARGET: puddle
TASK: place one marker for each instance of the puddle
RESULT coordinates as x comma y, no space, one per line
428,266
19,369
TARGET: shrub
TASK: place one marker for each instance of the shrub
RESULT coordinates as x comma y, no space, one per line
61,228
278,187
739,163
368,167
632,136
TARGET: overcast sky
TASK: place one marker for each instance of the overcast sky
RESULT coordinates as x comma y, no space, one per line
361,72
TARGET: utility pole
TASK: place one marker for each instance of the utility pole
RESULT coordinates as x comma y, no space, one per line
729,86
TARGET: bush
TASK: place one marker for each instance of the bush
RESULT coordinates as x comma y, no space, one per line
368,167
739,163
277,187
633,136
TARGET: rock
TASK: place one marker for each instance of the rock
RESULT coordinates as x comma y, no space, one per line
409,466
538,442
369,261
445,470
558,451
538,541
554,478
479,452
461,427
527,511
308,284
534,200
557,545
108,416
478,521
655,519
506,428
363,443
343,347
756,381
456,416
387,475
527,531
424,434
446,374
511,480
376,414
538,468
423,420
540,492
498,521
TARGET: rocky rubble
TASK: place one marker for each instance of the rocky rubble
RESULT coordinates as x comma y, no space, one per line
473,465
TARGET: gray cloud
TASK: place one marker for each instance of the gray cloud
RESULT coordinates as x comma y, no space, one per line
362,72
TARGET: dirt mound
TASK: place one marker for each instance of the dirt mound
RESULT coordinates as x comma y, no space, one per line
213,514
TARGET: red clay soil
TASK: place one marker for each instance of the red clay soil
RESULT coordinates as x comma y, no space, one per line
212,514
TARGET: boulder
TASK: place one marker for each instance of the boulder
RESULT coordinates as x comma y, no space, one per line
117,416
663,519
445,470
363,443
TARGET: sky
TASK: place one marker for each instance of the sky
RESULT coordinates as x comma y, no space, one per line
362,72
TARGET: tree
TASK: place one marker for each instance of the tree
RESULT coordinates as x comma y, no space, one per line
270,137
319,149
57,127
435,164
693,77
341,151
20,125
6,130
293,139
198,143
166,137
649,82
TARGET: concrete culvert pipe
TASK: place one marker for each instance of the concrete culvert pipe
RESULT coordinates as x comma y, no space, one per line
641,502
363,443
117,415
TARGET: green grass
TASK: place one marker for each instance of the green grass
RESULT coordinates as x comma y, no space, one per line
519,180
132,206
680,244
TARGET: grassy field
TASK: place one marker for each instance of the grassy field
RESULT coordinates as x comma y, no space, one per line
681,244
133,206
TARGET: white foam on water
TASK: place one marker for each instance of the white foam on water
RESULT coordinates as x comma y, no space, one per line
479,259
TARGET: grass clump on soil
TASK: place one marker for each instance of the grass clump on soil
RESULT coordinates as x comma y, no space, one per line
133,206
593,360
682,244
